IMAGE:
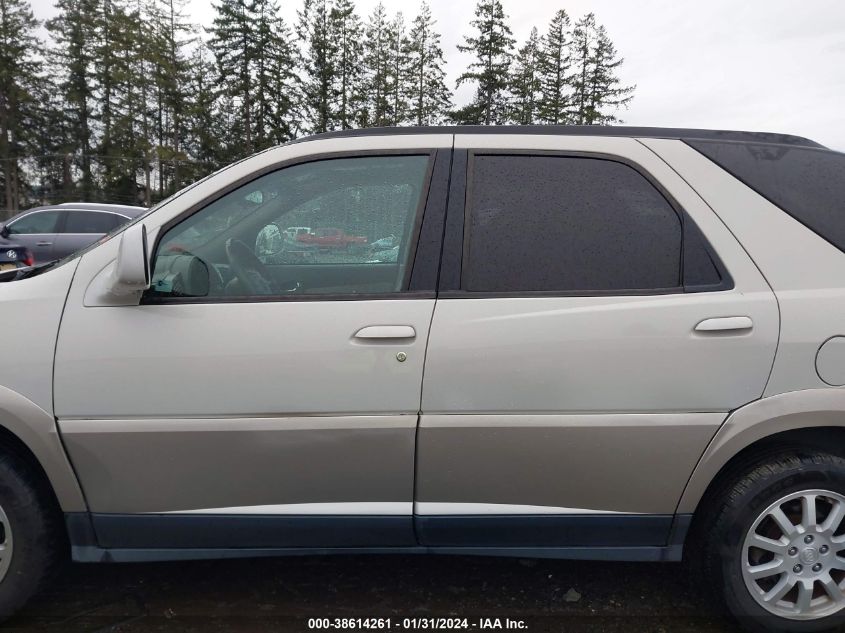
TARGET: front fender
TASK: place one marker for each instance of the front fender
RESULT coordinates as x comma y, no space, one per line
37,430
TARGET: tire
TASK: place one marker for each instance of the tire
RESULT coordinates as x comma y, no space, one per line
30,517
748,507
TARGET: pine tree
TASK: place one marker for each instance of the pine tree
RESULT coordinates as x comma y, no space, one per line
272,65
525,82
72,64
19,79
605,93
428,97
492,49
398,71
264,35
150,54
256,70
581,44
117,45
52,165
111,25
346,32
124,155
554,69
233,43
377,43
206,127
318,65
283,85
175,34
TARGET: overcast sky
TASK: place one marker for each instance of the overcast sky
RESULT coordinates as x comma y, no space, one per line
763,65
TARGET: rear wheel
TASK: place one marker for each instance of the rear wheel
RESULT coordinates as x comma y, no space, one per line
776,544
29,535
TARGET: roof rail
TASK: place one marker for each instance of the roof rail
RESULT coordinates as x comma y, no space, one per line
578,130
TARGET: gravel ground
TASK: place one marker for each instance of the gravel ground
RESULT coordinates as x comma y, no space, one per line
280,594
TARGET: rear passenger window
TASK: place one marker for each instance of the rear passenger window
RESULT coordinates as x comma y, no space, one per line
568,224
90,222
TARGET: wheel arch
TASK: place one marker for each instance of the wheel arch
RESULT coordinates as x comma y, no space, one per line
801,418
31,433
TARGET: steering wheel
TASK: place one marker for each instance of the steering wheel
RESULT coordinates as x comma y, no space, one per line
250,271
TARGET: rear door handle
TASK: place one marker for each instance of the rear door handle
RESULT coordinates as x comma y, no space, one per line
724,324
386,331
44,243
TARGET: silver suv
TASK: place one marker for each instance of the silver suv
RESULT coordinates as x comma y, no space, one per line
613,343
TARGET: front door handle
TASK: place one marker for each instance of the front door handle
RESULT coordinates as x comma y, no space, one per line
44,243
724,324
386,331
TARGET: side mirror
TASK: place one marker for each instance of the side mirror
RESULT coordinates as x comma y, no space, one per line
131,271
4,230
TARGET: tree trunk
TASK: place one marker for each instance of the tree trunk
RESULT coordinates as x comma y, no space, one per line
176,78
147,183
67,177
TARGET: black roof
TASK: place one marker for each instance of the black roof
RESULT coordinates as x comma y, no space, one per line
580,130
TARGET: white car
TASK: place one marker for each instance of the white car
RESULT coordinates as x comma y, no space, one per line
293,231
611,343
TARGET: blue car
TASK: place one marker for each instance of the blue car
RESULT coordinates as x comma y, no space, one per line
12,257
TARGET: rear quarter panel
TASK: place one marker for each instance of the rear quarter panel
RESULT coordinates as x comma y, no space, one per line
807,275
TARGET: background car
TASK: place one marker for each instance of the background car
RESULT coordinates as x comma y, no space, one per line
292,231
53,232
331,238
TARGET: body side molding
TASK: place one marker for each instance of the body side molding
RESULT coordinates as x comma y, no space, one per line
137,538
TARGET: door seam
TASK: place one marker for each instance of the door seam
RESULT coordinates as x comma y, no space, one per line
425,352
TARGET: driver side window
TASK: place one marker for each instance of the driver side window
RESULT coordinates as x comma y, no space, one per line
334,226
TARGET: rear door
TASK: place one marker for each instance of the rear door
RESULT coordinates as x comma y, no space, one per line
595,324
37,231
82,228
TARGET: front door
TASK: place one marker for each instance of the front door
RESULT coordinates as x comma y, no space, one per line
265,393
595,325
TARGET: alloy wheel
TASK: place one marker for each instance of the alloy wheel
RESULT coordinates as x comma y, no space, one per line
793,557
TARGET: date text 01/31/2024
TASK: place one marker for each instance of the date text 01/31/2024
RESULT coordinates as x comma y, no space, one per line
351,624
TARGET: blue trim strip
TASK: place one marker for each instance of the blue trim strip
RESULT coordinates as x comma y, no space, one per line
234,531
606,530
159,537
91,554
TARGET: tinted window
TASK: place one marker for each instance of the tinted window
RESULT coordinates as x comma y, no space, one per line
91,222
809,184
553,223
700,272
340,226
38,222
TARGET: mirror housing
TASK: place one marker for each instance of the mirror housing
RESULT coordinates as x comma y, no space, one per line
4,230
131,271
